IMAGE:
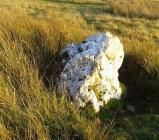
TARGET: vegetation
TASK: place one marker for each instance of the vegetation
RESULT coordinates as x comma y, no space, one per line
33,32
135,8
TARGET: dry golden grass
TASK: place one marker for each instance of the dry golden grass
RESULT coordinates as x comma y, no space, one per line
135,8
31,35
28,110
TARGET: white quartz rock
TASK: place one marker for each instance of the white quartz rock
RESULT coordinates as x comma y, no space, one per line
90,71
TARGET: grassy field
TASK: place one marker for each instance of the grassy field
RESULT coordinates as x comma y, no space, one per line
32,33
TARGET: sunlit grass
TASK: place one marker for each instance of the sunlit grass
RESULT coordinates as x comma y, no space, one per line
32,33
28,47
135,8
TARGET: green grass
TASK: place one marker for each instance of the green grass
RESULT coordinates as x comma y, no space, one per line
32,33
136,127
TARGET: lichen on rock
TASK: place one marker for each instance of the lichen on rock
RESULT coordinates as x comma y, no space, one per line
90,71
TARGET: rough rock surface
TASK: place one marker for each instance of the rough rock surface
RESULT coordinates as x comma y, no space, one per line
90,71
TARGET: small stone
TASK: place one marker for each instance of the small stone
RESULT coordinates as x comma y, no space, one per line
130,108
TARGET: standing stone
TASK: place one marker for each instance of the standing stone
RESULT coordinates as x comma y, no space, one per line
90,71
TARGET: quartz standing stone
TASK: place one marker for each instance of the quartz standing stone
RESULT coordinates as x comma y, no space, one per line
90,71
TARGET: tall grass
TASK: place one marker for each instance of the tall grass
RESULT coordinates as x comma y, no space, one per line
28,110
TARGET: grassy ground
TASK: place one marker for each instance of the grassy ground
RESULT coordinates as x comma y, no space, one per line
33,32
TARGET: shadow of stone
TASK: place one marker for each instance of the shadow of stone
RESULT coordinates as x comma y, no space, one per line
45,58
142,87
